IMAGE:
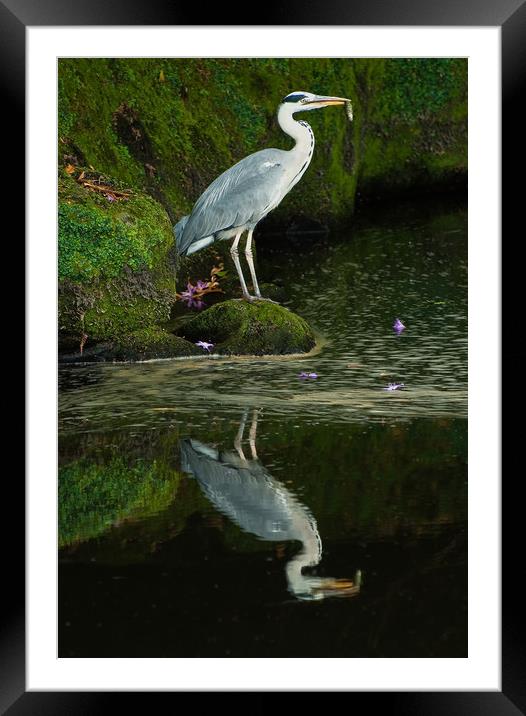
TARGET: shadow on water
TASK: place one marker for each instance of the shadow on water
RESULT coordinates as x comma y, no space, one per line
204,506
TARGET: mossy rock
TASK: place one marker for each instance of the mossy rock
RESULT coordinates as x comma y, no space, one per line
152,343
239,327
145,344
115,276
102,232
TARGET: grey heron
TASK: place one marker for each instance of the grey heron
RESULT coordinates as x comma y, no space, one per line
244,194
244,491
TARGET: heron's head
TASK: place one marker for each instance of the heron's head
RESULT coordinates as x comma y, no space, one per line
310,588
304,101
317,588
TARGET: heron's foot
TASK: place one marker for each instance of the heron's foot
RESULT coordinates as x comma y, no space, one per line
269,300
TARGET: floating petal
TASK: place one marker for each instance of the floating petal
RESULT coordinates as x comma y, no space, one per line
394,386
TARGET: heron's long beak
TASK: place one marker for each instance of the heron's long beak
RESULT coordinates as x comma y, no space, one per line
327,101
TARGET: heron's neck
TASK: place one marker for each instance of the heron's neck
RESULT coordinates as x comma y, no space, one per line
301,132
309,556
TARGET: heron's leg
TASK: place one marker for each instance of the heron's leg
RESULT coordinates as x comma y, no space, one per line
252,435
239,436
235,257
250,261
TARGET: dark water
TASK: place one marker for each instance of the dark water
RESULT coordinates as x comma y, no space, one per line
225,507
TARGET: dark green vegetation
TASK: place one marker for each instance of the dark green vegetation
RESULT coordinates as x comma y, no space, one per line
158,131
258,328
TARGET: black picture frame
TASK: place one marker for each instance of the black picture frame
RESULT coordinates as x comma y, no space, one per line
510,16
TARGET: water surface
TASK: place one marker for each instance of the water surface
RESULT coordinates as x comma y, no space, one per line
225,507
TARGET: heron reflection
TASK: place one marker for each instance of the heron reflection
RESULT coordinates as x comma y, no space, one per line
243,490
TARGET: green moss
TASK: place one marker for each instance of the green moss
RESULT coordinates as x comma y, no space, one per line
419,89
93,496
98,238
416,126
186,120
111,309
257,328
152,342
115,271
128,304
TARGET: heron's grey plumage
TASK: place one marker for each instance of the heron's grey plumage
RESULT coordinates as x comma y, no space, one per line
240,197
244,194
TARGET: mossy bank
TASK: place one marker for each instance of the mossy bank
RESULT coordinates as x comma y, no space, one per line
115,274
140,139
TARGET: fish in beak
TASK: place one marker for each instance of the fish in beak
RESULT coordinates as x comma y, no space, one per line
319,101
324,587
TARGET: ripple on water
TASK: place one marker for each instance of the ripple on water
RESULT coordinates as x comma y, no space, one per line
350,288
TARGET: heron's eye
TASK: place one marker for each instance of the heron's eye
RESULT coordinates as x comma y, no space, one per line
295,98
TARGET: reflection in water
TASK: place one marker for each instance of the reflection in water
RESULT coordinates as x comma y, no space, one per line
136,531
245,492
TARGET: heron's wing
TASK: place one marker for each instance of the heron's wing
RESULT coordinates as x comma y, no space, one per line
245,492
240,195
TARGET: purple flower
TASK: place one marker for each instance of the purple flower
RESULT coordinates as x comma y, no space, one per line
189,298
394,386
201,285
304,375
398,326
195,303
205,345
